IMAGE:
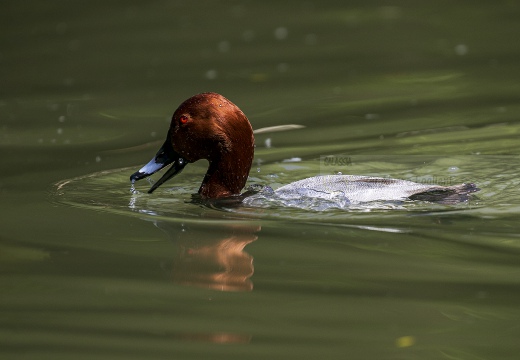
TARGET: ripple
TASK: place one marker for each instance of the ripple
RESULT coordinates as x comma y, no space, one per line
111,191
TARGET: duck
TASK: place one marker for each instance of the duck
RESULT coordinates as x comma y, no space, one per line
209,126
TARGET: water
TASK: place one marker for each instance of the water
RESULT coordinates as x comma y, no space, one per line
89,269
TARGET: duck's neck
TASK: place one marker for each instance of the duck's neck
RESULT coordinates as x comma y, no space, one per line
225,177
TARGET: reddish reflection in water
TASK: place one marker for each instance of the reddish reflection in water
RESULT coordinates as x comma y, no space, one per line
220,264
213,258
215,338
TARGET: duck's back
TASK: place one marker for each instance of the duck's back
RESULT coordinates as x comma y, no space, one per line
357,189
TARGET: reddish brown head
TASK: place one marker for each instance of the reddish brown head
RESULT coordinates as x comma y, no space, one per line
207,126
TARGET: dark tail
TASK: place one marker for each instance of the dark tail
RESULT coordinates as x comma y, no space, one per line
447,194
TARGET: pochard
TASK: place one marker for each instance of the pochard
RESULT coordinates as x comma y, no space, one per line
209,126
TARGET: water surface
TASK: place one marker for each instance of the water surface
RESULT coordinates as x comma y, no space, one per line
425,92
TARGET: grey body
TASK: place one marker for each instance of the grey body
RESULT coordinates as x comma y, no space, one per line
359,189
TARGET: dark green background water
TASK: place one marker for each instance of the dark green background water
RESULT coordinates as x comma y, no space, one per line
427,91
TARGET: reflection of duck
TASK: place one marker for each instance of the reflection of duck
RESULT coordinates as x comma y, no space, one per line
209,126
219,263
211,255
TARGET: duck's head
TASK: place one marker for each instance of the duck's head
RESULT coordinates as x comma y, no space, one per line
206,126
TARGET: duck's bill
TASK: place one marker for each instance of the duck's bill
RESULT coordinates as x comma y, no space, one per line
164,157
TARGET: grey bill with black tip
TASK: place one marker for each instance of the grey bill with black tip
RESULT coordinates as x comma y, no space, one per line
164,157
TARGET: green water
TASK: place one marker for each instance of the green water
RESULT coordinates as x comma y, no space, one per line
423,91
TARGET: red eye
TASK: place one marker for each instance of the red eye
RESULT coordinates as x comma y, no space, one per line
183,119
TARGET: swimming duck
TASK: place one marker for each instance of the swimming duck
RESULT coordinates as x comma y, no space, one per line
209,126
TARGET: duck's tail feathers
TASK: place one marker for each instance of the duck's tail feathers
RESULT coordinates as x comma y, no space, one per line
447,194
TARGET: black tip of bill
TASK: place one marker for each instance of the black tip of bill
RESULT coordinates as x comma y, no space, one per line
164,157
